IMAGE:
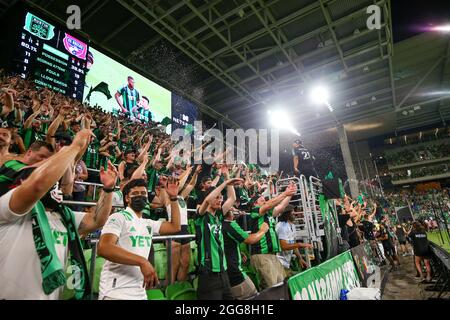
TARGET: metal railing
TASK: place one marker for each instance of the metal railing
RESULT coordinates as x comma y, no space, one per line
93,184
304,229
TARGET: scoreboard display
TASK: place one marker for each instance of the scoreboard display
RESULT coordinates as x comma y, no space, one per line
51,57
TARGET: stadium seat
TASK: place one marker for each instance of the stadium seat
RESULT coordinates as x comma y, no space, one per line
160,260
186,294
195,283
155,294
193,263
176,289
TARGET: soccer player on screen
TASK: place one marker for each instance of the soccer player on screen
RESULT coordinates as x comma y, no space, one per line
127,97
142,110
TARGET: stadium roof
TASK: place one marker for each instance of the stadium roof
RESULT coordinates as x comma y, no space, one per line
239,58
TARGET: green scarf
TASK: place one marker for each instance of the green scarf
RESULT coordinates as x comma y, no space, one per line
53,275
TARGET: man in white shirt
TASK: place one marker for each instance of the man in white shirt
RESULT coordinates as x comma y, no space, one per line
286,233
20,265
126,241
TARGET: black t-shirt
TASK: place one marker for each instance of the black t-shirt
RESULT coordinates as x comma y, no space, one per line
343,218
353,235
368,230
306,164
420,243
233,235
385,235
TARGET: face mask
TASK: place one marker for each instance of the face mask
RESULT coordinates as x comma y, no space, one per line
138,203
52,198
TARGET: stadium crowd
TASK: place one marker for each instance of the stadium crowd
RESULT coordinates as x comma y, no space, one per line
50,144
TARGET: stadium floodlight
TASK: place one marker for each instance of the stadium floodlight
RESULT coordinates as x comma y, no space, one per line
280,119
443,28
319,95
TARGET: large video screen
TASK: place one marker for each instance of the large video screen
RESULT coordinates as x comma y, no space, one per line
118,89
184,113
51,57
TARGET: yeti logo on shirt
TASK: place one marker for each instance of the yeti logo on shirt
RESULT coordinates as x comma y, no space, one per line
271,221
215,229
141,241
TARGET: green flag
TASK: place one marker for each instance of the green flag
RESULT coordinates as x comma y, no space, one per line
166,121
101,87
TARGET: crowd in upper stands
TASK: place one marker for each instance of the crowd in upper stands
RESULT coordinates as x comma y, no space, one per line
433,151
425,205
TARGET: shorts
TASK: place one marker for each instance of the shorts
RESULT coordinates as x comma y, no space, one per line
184,231
244,290
389,250
269,268
403,242
423,254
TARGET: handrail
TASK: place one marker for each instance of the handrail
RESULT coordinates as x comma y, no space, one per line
83,203
170,237
91,184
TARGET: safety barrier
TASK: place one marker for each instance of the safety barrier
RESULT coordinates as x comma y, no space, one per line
304,225
441,266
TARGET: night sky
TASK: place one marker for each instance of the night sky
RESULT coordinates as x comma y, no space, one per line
410,17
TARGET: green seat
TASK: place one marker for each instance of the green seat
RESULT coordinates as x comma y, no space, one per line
175,289
160,260
186,294
195,283
193,261
155,294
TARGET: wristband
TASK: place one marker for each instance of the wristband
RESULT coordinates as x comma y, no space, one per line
173,199
108,190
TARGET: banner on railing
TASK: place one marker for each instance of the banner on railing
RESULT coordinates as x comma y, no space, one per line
366,267
325,281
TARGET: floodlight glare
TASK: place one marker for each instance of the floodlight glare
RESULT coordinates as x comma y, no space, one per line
443,28
279,119
319,95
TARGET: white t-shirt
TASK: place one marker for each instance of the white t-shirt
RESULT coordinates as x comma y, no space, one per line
117,200
183,211
20,267
286,232
120,281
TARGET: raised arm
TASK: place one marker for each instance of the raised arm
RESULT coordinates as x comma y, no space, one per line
272,203
144,150
9,101
55,125
174,225
184,176
285,202
137,174
95,220
121,170
214,194
187,191
30,119
43,178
